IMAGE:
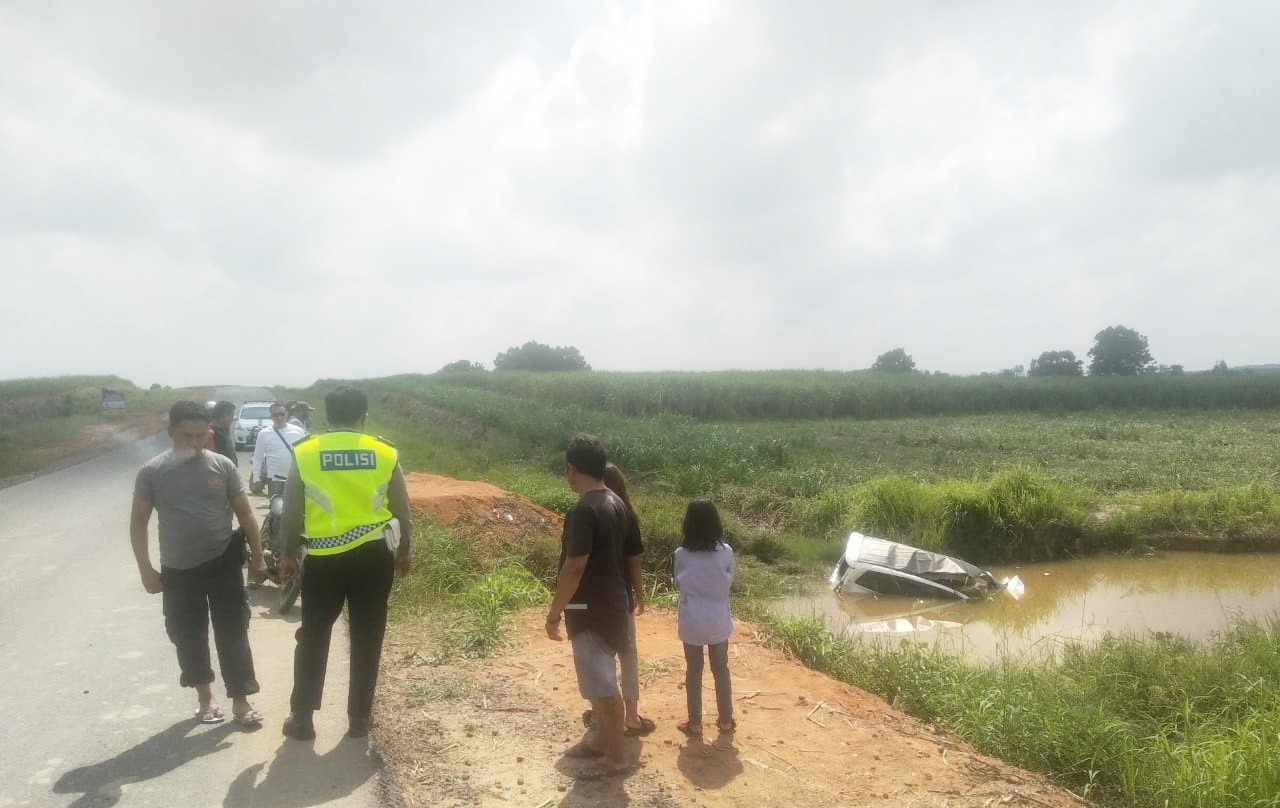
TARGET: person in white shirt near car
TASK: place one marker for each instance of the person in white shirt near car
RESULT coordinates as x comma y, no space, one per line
273,451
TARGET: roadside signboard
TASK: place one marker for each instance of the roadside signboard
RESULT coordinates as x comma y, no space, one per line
112,398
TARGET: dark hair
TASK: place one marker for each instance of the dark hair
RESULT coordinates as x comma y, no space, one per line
345,406
187,411
222,408
586,454
702,529
616,482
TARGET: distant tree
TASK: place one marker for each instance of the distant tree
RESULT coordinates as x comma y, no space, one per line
462,364
1119,351
1220,368
1057,363
536,356
1015,372
895,361
155,385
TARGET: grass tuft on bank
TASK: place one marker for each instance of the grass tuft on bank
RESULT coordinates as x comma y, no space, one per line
476,604
1155,722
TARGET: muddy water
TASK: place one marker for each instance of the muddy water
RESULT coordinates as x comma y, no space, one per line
1191,594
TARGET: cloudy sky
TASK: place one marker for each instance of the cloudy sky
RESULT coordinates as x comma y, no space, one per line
272,192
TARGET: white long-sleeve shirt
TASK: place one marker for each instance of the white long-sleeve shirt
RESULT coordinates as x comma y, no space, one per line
271,450
704,578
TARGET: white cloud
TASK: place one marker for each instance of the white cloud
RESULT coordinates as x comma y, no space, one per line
354,191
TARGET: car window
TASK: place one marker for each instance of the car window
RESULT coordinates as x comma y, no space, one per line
255,413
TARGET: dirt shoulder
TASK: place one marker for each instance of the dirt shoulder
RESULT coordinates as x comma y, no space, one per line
493,732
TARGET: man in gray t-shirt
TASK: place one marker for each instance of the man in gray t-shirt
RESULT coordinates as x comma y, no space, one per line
195,491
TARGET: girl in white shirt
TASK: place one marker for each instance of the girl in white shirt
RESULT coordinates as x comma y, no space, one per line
704,573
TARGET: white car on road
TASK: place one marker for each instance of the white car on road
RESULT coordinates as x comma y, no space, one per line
253,417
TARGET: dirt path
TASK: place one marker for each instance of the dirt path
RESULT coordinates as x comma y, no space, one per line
492,732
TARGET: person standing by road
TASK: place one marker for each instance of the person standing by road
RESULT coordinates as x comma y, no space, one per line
591,597
300,415
220,438
704,575
273,452
195,492
632,555
347,494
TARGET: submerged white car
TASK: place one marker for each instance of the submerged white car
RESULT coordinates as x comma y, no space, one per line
254,416
872,566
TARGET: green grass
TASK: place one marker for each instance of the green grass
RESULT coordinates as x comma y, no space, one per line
40,418
1161,722
992,470
476,604
1245,513
1102,476
791,394
59,385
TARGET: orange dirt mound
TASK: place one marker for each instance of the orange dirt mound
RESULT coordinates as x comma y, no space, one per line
497,522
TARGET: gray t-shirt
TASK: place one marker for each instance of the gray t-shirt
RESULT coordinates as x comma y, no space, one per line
193,499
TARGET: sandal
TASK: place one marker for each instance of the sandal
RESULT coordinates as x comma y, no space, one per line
690,729
212,715
249,718
645,726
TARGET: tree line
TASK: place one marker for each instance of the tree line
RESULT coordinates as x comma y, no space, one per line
1117,351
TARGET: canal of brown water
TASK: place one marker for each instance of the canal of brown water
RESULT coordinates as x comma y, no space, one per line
1190,594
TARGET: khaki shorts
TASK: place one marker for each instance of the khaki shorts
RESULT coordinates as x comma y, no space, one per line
595,663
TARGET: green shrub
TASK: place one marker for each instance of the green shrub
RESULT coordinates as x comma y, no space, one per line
900,509
829,513
1018,516
1250,511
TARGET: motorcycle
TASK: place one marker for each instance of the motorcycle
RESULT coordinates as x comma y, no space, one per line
273,546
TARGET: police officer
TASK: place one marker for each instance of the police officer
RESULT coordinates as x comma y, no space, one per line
344,492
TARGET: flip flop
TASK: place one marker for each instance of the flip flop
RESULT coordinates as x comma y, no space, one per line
583,751
645,726
213,715
601,771
249,718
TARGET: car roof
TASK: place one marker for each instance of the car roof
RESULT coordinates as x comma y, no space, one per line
257,404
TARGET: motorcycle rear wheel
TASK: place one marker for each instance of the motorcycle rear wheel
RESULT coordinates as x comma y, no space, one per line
289,591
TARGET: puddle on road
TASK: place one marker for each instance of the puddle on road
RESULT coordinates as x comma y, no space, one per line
1191,594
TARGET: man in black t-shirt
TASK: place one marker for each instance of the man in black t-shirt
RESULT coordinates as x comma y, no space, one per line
220,439
591,593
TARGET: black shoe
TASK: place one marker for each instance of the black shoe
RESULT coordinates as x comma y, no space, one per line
299,727
358,727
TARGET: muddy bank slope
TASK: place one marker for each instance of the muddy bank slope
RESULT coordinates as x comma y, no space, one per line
493,731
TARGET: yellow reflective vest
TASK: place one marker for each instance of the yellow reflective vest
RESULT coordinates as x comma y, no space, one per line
345,476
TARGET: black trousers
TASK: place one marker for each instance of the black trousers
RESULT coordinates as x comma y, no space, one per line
361,578
214,589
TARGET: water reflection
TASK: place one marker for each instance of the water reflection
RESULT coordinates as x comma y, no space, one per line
1191,594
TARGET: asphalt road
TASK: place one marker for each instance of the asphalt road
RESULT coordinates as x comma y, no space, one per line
93,714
